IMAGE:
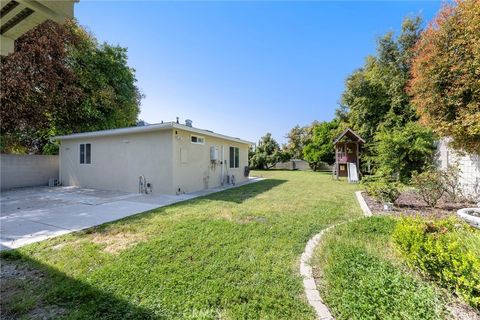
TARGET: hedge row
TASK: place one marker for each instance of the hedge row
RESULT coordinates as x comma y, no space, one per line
447,250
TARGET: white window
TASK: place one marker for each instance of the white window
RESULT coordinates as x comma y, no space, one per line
85,153
234,157
197,139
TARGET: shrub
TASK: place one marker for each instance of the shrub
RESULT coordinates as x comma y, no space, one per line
369,178
447,250
383,190
430,186
403,150
451,183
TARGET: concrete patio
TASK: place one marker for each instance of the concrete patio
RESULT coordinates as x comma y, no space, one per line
34,214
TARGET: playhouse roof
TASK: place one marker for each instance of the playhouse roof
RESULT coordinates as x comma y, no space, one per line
350,134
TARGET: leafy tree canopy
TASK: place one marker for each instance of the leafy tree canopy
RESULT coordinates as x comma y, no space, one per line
401,151
375,95
267,153
296,138
446,74
319,147
60,80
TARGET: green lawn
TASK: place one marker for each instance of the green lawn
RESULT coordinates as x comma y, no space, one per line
361,275
229,255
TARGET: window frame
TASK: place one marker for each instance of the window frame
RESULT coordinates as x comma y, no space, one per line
197,137
236,157
86,155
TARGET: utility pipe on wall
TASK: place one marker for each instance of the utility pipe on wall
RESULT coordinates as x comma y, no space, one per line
221,174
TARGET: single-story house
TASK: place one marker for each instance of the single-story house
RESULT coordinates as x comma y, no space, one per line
164,158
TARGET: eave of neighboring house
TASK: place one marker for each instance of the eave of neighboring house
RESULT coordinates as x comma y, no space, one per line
19,16
149,128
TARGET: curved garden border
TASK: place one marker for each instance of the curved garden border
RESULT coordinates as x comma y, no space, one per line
313,295
472,220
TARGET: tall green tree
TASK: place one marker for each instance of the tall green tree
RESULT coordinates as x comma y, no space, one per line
403,150
376,95
267,153
446,74
60,80
320,147
377,105
296,139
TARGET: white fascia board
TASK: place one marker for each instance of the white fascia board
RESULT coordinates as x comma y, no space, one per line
114,132
149,128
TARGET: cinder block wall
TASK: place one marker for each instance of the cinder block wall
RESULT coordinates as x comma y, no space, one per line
469,165
27,170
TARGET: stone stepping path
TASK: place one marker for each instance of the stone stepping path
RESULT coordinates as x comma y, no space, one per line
313,295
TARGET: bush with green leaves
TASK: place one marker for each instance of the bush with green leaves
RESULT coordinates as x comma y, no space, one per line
401,151
447,250
451,183
383,190
430,185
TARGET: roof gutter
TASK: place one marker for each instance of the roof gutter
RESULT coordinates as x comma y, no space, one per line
113,132
149,128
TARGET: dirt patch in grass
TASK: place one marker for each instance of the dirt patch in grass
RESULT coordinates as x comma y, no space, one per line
462,311
248,219
117,242
15,271
46,312
15,278
228,215
58,246
411,204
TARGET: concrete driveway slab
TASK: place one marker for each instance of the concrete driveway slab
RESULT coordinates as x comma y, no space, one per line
17,233
30,215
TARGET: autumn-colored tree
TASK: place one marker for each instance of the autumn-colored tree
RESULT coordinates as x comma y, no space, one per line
60,80
445,81
36,84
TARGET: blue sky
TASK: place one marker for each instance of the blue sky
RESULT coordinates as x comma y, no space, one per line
245,68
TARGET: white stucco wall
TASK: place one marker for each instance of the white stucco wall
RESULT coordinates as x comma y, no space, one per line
469,165
118,161
27,170
197,172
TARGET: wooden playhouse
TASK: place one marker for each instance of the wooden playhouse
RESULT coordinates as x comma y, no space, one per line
347,151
